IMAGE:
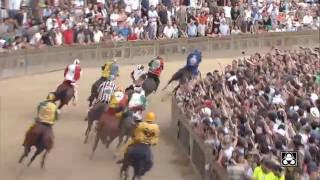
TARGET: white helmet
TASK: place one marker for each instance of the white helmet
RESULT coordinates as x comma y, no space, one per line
206,111
76,61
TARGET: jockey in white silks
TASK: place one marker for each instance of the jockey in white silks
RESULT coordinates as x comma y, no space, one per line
138,101
72,74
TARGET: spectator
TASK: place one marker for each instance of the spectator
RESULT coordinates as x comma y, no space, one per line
307,20
192,29
114,18
68,36
224,28
153,19
124,31
235,30
168,31
97,35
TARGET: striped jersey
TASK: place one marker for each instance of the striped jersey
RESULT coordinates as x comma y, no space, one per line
105,91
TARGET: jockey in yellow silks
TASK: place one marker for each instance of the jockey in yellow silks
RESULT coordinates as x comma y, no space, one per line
146,132
47,111
110,70
118,102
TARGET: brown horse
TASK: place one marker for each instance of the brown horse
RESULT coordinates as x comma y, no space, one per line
41,136
64,93
107,129
94,114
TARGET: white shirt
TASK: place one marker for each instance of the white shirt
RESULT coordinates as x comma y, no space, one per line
35,39
114,19
49,23
168,31
138,31
130,21
14,4
227,11
153,15
97,35
307,20
58,38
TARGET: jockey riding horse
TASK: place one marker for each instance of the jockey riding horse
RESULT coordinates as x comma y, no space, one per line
110,71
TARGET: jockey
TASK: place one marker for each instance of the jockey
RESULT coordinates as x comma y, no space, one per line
47,111
72,74
105,91
146,132
138,100
137,73
118,102
155,68
138,76
193,61
110,70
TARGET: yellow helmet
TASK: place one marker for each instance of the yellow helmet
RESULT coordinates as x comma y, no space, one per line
150,117
51,97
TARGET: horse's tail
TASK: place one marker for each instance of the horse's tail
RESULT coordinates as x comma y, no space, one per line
64,93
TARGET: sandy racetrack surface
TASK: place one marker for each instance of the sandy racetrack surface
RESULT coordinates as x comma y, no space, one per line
69,159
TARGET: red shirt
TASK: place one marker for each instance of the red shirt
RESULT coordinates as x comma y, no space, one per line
132,37
68,36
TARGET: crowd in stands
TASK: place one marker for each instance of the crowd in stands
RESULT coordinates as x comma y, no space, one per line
250,111
55,23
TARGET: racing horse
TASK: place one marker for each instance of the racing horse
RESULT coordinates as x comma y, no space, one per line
108,125
188,72
41,136
64,93
94,114
139,156
183,75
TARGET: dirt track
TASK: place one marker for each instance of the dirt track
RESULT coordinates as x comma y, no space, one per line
69,160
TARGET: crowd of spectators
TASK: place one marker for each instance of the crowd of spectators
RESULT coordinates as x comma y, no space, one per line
250,111
55,23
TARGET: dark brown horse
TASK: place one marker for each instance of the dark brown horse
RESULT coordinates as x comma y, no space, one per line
41,136
94,90
94,114
183,76
140,157
64,93
151,84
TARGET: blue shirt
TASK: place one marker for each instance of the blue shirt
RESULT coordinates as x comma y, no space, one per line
192,30
124,32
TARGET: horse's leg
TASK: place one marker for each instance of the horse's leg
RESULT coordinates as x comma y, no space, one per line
127,139
43,159
124,170
39,150
122,133
60,107
109,141
176,89
24,154
95,144
88,132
